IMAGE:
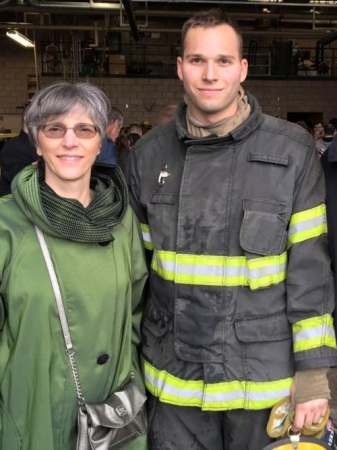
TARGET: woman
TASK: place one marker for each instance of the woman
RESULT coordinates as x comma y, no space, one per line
94,242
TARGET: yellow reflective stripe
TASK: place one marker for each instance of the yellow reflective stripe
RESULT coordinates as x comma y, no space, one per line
163,264
307,225
313,333
275,266
211,270
214,396
146,236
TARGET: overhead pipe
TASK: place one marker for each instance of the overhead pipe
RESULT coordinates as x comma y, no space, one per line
264,3
294,33
5,3
131,18
77,5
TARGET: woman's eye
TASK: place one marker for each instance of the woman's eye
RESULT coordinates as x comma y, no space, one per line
54,128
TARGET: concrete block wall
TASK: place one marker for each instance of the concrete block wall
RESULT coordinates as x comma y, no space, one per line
143,98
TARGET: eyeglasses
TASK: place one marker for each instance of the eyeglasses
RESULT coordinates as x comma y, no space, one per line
58,130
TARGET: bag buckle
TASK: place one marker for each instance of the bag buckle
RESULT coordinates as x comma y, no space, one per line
121,411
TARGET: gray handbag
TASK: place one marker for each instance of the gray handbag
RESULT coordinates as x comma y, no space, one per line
102,426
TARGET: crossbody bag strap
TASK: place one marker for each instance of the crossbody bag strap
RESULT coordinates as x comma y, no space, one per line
62,315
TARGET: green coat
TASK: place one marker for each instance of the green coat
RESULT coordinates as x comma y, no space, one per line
101,288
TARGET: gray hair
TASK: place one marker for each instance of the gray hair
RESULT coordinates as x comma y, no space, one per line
115,114
60,99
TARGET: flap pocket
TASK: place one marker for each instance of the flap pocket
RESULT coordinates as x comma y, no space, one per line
272,327
271,159
9,435
168,199
263,229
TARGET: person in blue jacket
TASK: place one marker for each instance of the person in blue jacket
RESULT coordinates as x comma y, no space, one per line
108,153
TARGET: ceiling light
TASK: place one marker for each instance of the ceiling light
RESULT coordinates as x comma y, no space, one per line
20,38
323,2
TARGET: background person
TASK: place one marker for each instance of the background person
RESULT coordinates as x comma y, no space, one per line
323,143
16,154
329,163
318,129
135,131
231,205
95,245
108,153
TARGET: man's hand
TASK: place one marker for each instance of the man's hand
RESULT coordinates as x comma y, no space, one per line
309,413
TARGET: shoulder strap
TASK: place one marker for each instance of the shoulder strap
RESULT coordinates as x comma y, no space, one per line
61,311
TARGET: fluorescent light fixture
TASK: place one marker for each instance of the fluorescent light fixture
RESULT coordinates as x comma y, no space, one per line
20,38
323,2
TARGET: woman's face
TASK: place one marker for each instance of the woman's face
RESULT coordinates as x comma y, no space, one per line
69,158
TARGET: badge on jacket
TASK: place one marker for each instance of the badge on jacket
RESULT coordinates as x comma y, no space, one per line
163,175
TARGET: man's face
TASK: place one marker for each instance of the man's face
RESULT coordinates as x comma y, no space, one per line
113,130
212,71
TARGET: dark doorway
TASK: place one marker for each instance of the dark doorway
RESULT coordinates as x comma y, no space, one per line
308,117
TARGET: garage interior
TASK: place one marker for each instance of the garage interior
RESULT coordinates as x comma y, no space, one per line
142,38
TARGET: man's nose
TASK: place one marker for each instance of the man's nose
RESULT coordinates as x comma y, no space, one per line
210,73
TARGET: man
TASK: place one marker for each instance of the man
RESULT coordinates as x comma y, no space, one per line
323,143
16,154
115,122
231,204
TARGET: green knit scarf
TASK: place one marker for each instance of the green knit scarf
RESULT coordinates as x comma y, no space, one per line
93,223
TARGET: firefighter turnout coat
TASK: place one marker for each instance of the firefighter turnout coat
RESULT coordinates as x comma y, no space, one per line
241,292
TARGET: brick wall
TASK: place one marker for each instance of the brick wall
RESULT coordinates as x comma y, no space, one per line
143,98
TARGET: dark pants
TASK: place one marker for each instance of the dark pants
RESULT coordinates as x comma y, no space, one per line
184,428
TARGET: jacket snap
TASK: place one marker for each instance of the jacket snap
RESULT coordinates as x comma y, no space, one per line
102,359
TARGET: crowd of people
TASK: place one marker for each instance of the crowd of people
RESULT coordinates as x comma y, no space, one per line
192,259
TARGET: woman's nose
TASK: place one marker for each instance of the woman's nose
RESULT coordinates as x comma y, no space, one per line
70,138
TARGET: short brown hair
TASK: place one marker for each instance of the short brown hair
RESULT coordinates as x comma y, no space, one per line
211,18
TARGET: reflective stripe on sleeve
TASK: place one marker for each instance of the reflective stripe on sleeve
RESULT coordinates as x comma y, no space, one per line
214,396
313,333
307,225
146,236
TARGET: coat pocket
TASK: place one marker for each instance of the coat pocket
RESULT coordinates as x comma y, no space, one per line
268,328
9,434
266,346
263,229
